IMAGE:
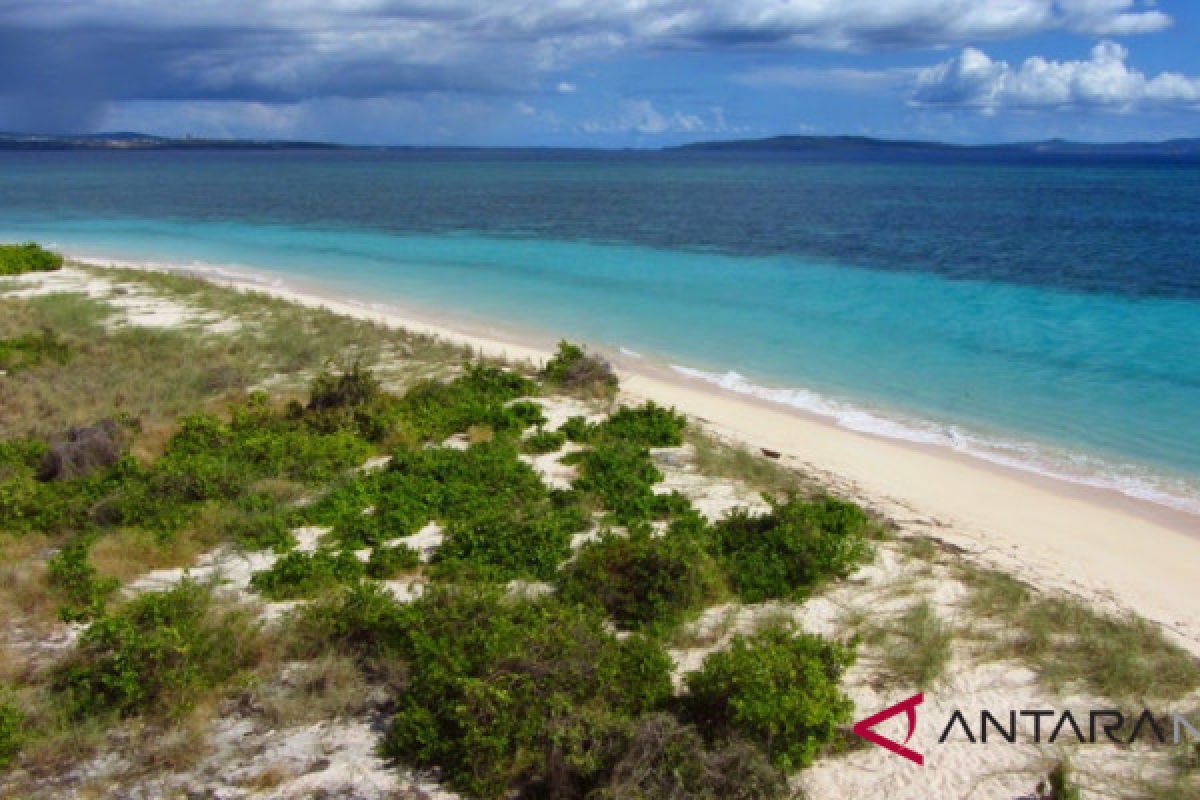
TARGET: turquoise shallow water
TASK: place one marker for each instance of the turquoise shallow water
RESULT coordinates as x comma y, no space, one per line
1095,387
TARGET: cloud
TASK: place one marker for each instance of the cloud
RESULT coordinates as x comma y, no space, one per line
826,78
64,62
641,116
1104,81
566,87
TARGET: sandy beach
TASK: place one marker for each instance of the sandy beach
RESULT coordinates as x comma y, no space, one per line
1117,552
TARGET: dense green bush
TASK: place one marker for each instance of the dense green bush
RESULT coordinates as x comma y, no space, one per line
156,654
299,574
542,441
497,514
32,349
576,429
778,688
574,369
388,562
648,425
362,620
18,259
12,733
792,549
494,678
620,477
645,582
433,410
352,400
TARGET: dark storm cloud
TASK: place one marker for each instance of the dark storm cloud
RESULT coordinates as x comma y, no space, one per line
62,62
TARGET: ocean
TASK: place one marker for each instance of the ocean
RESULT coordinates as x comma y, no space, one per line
1044,316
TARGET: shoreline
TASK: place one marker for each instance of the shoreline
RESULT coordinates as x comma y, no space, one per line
1118,551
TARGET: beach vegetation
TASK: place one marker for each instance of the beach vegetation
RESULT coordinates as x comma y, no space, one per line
778,688
156,654
31,349
389,561
500,688
719,459
542,441
362,621
19,259
1119,656
298,574
12,732
915,648
573,369
645,582
793,549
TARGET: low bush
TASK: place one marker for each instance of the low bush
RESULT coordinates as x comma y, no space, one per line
778,688
574,369
494,679
298,574
432,410
527,413
666,759
644,582
350,400
32,349
363,620
542,441
18,259
620,477
498,515
792,549
158,653
576,429
81,586
648,425
12,733
388,562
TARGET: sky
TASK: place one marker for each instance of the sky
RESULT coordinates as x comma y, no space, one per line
602,73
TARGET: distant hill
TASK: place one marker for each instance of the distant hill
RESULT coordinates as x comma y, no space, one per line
124,140
1174,148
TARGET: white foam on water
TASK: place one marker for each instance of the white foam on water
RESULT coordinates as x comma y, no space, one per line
1075,467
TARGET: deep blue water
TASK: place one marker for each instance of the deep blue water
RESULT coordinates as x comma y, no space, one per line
1042,315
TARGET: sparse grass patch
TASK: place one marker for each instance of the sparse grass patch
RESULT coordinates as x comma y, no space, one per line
722,460
12,731
915,648
32,349
1120,657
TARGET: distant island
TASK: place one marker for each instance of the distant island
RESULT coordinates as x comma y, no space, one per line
1173,148
829,146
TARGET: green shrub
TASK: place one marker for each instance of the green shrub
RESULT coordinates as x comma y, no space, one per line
362,620
388,562
792,549
12,733
576,429
156,654
542,441
574,369
352,400
263,528
433,410
665,759
84,590
498,515
621,477
18,259
778,688
527,413
299,574
493,677
648,425
644,582
32,349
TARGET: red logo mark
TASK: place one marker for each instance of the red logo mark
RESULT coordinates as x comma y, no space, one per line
864,728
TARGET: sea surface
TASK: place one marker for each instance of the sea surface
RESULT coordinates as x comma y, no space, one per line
1045,316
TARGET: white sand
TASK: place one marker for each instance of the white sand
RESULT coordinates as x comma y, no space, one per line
1116,551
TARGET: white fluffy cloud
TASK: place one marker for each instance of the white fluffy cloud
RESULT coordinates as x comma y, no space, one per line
1104,80
642,116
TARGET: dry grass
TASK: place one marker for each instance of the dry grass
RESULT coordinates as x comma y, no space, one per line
720,459
329,687
25,597
914,649
1121,657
